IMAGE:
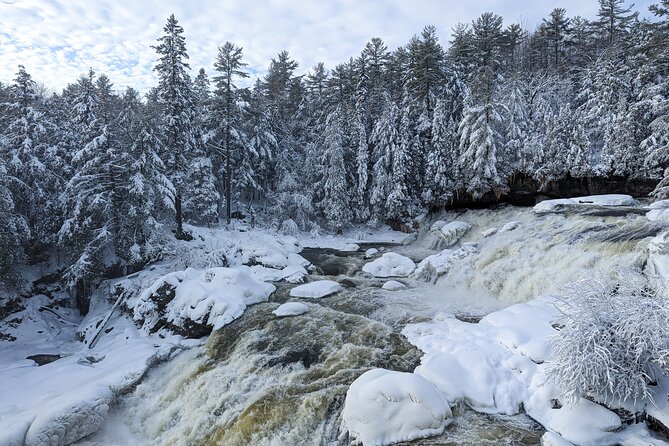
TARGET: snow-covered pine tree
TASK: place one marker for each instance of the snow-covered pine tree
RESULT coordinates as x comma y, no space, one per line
384,139
399,201
362,211
336,205
229,135
186,164
13,233
440,166
148,195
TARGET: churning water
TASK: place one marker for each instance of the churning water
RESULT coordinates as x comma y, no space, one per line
272,381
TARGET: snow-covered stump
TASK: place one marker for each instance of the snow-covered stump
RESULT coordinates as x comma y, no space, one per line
390,264
384,407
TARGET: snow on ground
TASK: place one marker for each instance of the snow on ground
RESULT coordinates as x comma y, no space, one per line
65,400
316,290
384,407
390,264
290,309
592,200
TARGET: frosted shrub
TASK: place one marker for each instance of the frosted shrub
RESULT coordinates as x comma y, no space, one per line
289,227
614,339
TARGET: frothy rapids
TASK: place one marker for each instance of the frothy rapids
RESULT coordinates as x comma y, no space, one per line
264,380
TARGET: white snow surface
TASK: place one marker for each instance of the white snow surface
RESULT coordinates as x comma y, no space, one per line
350,247
291,309
393,285
316,290
63,401
213,297
390,264
593,200
496,366
384,407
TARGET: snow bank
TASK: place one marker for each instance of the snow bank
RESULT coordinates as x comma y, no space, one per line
390,264
290,309
316,289
595,200
210,298
393,285
384,407
496,366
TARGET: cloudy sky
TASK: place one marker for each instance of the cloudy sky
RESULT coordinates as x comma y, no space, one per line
57,40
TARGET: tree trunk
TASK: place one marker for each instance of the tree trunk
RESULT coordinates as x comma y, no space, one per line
179,234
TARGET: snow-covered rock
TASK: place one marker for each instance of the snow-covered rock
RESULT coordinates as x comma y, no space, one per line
384,407
431,267
316,289
350,247
497,366
510,226
390,264
453,231
489,233
371,252
203,300
393,285
659,214
593,200
290,274
291,309
660,204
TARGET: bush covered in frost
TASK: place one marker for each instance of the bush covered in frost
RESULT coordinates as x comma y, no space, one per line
289,227
614,338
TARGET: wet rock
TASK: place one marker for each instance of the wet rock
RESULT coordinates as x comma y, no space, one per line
307,356
348,283
43,359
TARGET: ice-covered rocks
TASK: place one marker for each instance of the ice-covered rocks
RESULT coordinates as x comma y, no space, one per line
659,211
592,200
290,309
393,285
443,235
193,302
390,264
510,226
431,267
316,290
384,407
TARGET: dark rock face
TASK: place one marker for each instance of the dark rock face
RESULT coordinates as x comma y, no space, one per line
526,191
44,359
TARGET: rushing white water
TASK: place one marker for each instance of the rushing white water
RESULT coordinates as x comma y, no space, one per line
264,380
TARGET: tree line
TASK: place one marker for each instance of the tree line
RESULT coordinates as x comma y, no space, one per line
93,177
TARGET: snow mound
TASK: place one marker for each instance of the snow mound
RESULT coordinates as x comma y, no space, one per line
393,285
497,366
390,264
660,204
317,289
384,407
290,309
371,252
553,439
350,247
593,200
276,253
489,233
208,299
290,274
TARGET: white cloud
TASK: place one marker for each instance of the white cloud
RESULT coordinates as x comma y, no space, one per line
58,40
